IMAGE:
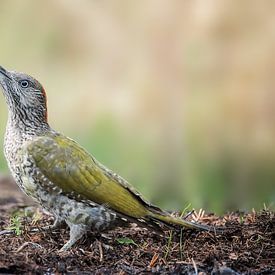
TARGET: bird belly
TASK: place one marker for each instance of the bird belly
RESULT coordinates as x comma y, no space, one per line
74,212
67,209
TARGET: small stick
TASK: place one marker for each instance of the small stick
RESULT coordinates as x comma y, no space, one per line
26,244
100,251
6,232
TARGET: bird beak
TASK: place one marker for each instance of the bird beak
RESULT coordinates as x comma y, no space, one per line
4,73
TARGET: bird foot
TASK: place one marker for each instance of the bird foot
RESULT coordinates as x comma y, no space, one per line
57,223
76,232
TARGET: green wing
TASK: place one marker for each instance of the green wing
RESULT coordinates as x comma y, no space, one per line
63,162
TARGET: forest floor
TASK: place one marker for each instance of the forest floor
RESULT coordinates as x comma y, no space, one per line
246,245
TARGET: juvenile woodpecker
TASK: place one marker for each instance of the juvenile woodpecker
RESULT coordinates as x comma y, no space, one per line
61,176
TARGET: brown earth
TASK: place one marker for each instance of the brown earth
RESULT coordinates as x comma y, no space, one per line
247,245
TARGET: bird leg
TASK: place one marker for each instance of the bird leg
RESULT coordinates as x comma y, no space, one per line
83,219
76,232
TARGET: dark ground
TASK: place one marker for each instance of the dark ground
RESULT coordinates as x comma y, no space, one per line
246,247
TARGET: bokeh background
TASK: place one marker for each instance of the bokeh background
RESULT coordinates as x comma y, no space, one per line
176,96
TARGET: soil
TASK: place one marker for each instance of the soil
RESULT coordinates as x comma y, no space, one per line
245,246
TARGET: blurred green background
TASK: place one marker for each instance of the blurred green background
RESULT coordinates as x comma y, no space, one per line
176,96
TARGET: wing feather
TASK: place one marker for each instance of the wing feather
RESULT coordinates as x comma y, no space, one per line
72,169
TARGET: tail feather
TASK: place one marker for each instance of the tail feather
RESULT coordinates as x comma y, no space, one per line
169,220
156,218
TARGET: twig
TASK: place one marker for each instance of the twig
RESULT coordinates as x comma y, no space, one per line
26,244
100,251
195,266
6,232
153,260
168,244
188,214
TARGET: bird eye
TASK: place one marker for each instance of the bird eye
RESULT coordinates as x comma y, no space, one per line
24,83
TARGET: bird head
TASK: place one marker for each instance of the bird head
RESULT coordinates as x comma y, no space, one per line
25,96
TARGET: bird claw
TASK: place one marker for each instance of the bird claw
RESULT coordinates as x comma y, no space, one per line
65,247
57,223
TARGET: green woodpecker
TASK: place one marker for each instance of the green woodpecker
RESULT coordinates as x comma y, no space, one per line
64,178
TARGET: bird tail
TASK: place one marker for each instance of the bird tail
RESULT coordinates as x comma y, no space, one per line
171,221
